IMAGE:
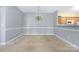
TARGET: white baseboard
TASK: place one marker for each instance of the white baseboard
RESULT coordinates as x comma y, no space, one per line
67,42
37,34
12,40
2,43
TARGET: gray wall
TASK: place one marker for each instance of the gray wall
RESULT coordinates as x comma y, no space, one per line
32,26
14,22
0,24
69,33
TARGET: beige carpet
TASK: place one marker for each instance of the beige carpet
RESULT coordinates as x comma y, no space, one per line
38,43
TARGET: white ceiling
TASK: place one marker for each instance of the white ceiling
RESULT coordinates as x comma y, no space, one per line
43,9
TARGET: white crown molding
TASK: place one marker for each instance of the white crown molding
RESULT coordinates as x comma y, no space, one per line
16,28
67,29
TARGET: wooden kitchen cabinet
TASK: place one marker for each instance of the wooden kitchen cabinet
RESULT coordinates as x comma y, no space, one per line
68,20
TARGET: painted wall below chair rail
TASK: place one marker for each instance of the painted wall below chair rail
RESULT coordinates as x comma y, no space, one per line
14,22
71,36
0,24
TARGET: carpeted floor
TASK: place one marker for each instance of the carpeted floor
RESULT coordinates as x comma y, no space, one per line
38,43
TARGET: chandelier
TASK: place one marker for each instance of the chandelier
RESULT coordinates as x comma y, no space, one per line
38,16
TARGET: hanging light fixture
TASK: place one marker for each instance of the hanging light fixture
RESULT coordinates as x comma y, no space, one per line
38,16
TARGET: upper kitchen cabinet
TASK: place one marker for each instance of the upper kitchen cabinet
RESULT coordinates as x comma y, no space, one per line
67,18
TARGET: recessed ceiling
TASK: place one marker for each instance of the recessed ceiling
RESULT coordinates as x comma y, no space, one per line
43,9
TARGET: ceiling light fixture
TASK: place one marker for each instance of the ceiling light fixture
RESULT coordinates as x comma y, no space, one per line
38,16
